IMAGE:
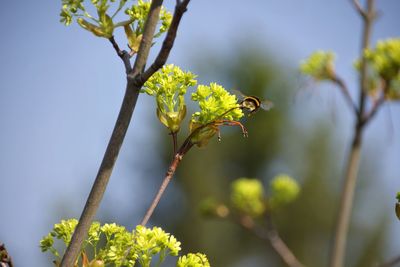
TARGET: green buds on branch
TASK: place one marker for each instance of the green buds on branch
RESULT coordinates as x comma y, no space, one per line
284,190
168,86
104,24
134,30
384,61
217,107
112,244
248,197
319,65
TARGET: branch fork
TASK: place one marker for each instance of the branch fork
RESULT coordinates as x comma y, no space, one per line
135,81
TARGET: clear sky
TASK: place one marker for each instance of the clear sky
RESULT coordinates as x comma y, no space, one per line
61,88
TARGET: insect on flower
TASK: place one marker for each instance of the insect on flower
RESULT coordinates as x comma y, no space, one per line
252,103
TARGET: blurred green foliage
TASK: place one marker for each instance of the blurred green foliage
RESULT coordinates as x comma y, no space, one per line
275,145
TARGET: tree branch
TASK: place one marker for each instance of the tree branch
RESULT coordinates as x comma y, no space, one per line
168,176
376,105
162,56
359,8
147,39
271,235
174,136
351,172
116,140
343,88
124,55
184,148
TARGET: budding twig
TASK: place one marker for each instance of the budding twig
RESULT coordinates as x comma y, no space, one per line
337,254
271,235
118,135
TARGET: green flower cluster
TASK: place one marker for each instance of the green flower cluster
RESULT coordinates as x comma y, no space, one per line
150,242
112,244
216,105
385,62
385,58
319,65
63,231
103,25
70,8
116,249
284,189
168,86
247,196
193,260
138,14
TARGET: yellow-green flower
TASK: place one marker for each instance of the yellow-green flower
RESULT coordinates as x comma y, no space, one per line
193,260
319,65
216,105
385,58
168,86
284,189
247,196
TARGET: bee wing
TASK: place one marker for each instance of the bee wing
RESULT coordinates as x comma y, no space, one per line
238,94
266,104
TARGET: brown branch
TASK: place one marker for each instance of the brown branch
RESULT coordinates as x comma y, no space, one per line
174,141
147,39
271,235
168,176
116,140
124,55
359,8
391,262
338,249
161,59
343,88
377,104
184,148
5,257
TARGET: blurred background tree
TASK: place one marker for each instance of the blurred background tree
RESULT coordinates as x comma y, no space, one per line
275,145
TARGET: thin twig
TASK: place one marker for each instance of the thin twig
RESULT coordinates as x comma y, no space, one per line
343,88
116,140
147,39
168,176
359,8
184,148
377,104
174,141
271,235
180,9
346,201
124,55
391,262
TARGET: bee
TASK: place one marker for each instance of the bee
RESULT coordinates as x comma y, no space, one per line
252,103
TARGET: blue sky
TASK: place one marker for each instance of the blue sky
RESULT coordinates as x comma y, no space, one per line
61,88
